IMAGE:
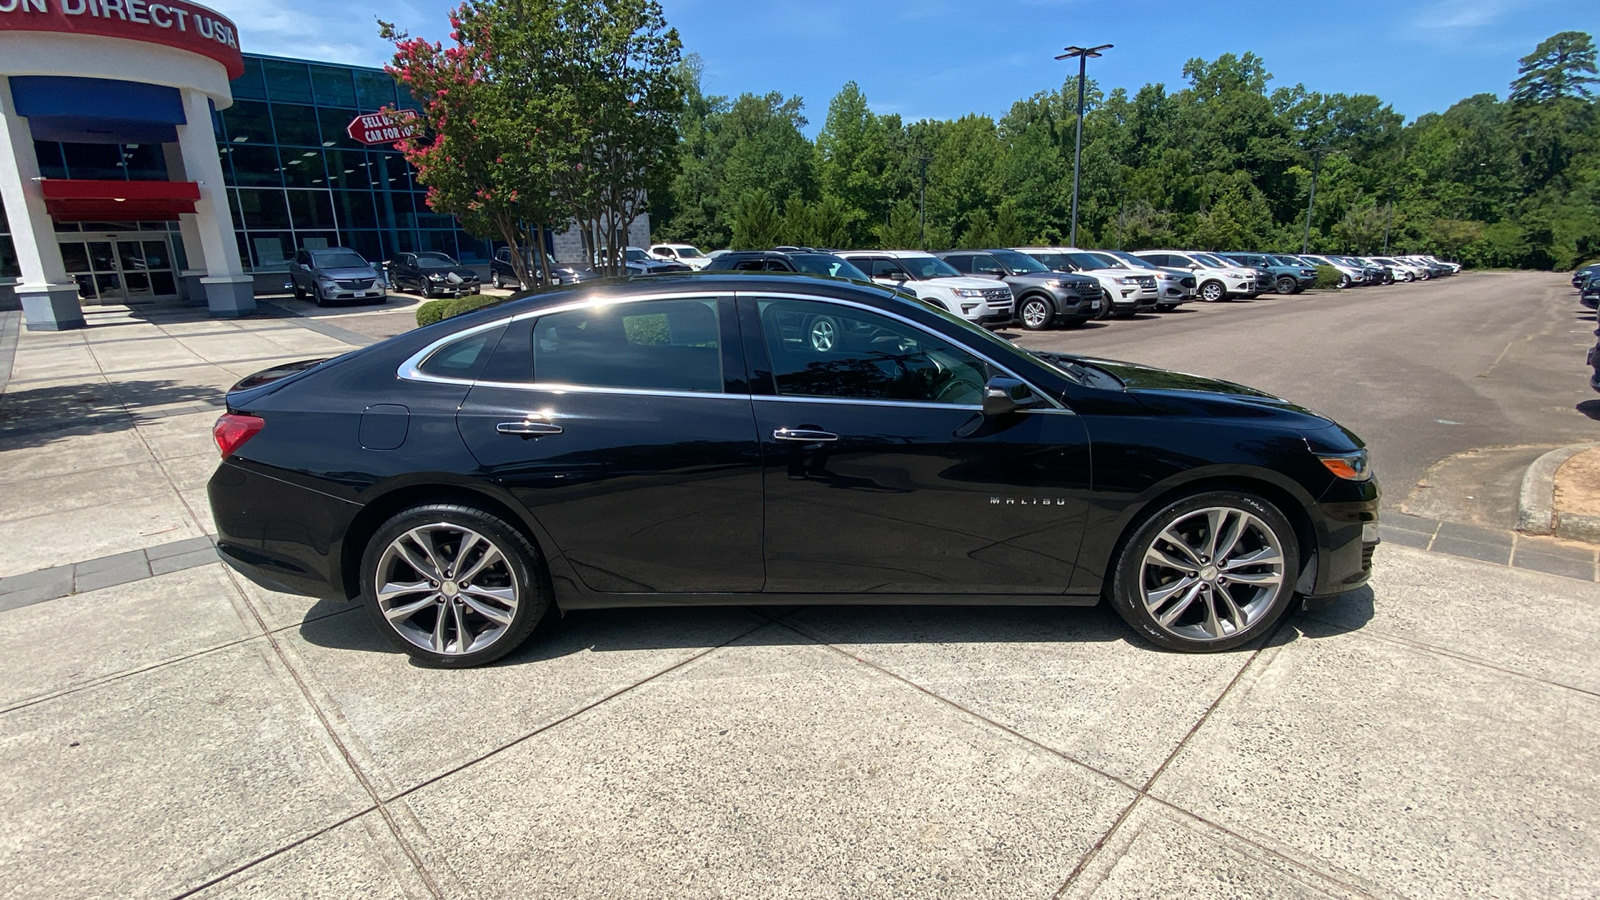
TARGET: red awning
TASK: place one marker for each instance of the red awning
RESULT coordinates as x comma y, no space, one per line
80,200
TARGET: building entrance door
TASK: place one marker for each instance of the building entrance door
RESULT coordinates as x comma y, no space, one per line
121,267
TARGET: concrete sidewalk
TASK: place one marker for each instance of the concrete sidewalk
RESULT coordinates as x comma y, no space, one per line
185,732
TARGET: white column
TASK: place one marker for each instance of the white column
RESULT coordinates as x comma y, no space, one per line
189,230
229,291
49,298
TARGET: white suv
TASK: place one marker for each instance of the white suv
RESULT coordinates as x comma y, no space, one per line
978,300
1216,279
1128,290
688,254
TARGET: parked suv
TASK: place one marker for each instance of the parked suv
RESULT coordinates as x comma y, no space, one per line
977,300
1281,277
813,262
1217,280
336,273
1350,275
1582,275
1174,286
688,254
1127,291
432,274
1044,298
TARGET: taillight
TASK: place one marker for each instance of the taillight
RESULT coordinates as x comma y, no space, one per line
232,430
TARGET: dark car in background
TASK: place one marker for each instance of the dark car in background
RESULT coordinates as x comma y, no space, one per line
1579,276
737,439
1045,298
1285,278
1589,292
502,274
796,259
432,274
335,273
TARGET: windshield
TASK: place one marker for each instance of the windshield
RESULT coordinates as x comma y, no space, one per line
1290,261
689,253
827,264
434,261
1206,259
1107,261
924,267
1084,260
1055,261
1133,261
1020,262
338,259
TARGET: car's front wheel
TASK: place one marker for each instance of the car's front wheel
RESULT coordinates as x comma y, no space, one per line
451,585
1207,572
1036,313
1213,292
1287,285
494,279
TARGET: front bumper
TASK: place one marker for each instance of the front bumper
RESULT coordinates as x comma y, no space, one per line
445,289
1345,523
376,292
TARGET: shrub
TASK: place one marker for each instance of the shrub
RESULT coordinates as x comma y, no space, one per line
1327,277
438,310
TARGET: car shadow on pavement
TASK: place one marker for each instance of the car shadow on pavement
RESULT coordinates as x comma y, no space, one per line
1590,408
706,627
1333,616
38,416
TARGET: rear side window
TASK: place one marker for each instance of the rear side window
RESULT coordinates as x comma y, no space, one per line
661,345
462,359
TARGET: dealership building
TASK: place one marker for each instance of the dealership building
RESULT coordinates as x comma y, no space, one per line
144,158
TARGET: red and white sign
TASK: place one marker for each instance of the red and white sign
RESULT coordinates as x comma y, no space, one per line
175,23
381,128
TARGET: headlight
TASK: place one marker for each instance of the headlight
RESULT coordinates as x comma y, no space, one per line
328,283
968,292
435,277
1349,466
1127,281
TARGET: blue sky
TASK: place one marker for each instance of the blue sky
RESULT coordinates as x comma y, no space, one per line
942,58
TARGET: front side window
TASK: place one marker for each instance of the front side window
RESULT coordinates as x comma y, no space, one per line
986,265
658,345
825,350
886,268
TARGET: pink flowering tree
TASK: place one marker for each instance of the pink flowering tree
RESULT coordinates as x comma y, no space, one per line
483,155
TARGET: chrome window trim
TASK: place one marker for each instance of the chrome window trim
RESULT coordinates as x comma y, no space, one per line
918,326
410,369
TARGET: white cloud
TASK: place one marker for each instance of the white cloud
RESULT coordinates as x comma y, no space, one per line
343,33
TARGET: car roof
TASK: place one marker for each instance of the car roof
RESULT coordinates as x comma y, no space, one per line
895,254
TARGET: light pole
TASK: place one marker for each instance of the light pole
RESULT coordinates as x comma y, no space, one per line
1316,165
922,204
1083,55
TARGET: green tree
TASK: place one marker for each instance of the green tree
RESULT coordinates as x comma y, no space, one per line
756,223
902,231
1563,65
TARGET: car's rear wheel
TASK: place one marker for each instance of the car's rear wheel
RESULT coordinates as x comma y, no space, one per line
1286,284
453,586
1036,313
1213,291
1207,572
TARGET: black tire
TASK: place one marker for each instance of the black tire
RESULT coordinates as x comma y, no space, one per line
1126,592
1105,307
522,568
494,280
299,292
316,295
1286,285
1037,308
1213,291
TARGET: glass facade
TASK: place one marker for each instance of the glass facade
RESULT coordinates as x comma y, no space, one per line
295,178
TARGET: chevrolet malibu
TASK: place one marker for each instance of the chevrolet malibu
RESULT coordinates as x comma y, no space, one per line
783,439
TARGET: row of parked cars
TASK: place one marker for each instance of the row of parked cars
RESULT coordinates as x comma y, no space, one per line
1586,281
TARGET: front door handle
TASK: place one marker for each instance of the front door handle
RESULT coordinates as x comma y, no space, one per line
528,429
804,435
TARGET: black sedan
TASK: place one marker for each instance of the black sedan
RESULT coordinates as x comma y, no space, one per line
721,439
432,275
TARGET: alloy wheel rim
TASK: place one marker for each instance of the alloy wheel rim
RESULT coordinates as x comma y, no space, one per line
446,589
822,334
1212,573
1213,292
1033,313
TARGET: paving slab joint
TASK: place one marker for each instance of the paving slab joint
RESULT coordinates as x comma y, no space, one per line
1536,503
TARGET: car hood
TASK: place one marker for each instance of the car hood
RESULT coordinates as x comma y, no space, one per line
1178,393
345,274
962,281
1038,278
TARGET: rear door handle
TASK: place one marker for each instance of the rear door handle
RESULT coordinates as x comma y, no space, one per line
528,429
805,435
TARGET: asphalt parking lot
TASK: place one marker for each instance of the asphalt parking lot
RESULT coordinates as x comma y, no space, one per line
183,732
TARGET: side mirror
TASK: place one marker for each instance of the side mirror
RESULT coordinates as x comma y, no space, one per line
1004,394
894,276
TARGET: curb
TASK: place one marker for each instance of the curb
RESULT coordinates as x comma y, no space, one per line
1536,503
